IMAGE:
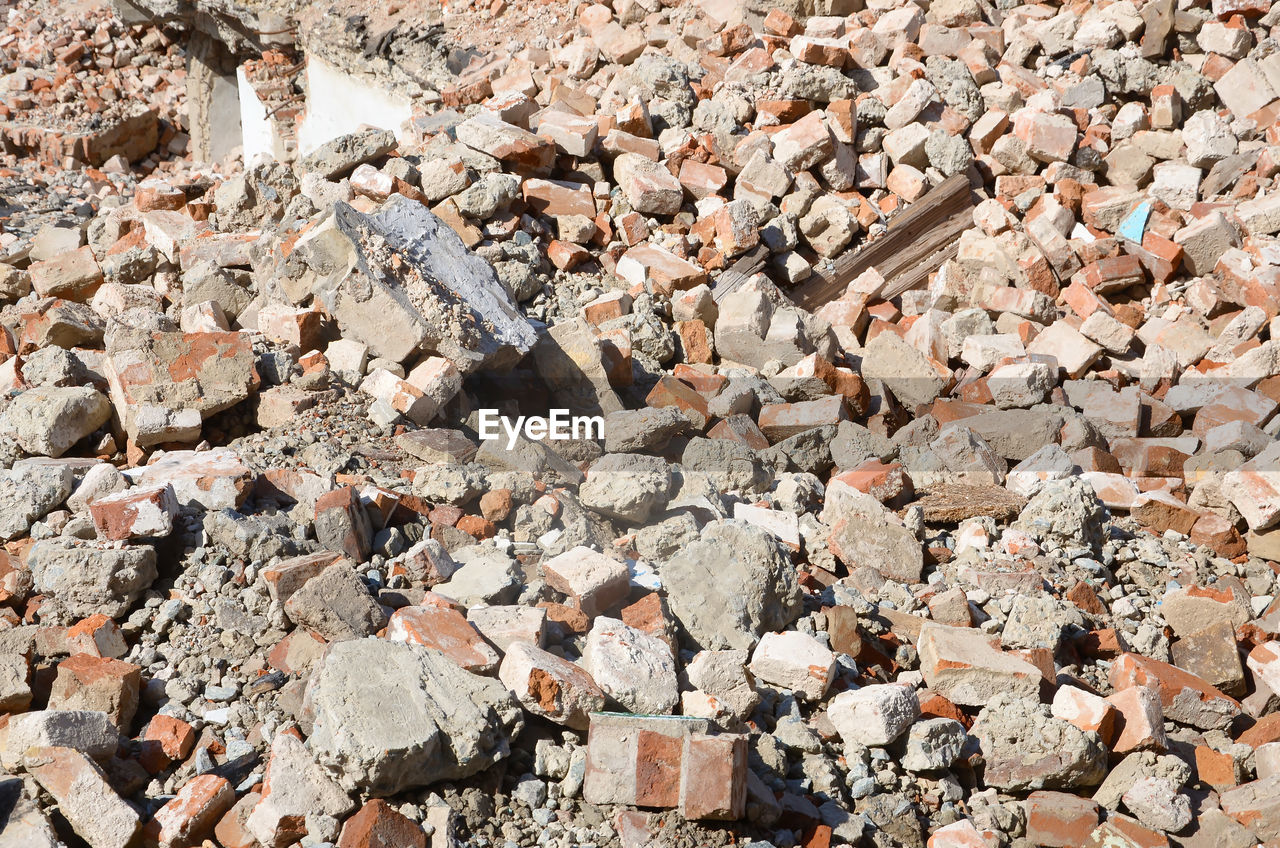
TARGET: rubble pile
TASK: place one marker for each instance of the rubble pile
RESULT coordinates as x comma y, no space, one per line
488,483
82,88
89,107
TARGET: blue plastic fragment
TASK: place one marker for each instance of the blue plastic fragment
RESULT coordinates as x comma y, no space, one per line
1134,225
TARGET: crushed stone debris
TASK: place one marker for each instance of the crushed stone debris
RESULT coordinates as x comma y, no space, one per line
890,447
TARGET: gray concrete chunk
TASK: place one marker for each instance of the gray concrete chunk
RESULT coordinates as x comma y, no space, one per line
390,716
450,301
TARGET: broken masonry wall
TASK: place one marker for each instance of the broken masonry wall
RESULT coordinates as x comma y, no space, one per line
339,103
213,99
257,128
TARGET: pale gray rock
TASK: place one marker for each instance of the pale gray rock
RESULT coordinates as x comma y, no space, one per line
434,296
865,533
300,788
338,157
1066,512
723,676
1026,748
648,429
336,604
933,744
390,716
732,585
83,577
627,487
26,825
1039,621
730,465
49,420
1158,804
89,731
28,492
1136,767
486,576
633,668
874,715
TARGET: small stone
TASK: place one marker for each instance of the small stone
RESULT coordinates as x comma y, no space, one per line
794,661
1157,804
48,421
632,667
550,686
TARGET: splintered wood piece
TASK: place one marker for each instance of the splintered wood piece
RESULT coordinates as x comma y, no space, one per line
918,242
750,264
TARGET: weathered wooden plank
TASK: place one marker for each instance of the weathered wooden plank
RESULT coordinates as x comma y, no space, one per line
925,257
748,265
919,240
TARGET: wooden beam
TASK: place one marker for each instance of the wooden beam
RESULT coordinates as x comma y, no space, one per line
919,240
750,264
